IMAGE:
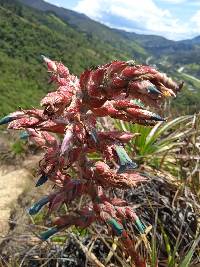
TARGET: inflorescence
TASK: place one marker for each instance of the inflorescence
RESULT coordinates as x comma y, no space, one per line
118,89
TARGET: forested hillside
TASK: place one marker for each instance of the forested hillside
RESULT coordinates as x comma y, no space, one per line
25,34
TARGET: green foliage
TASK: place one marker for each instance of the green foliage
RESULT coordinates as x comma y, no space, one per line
18,148
59,239
80,231
188,257
193,69
158,146
188,102
174,259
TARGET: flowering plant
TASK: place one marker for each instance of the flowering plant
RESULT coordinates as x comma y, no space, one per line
117,89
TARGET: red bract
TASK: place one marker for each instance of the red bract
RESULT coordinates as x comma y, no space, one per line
72,111
41,138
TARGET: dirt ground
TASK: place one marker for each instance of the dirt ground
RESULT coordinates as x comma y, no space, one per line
13,182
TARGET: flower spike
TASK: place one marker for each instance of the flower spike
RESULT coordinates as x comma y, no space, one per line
118,89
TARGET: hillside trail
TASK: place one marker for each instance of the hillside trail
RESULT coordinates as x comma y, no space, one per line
13,182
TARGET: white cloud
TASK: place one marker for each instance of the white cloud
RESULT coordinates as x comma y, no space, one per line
142,15
174,1
89,7
196,19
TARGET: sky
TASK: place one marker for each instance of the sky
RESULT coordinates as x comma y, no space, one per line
173,19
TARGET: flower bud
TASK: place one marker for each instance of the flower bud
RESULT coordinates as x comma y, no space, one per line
126,164
132,215
51,65
45,235
62,71
22,123
116,226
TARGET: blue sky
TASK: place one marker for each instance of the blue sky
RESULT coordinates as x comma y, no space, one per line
173,19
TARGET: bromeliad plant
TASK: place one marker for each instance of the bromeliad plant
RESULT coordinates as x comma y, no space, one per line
72,112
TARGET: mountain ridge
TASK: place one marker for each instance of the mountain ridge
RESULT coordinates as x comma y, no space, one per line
177,52
46,6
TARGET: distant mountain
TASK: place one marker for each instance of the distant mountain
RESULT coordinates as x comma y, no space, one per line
90,28
152,43
177,52
73,18
194,41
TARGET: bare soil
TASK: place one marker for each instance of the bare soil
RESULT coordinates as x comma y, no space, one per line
14,180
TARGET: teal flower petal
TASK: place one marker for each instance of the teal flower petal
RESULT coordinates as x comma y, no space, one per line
43,179
126,164
153,90
140,226
117,228
94,136
24,135
45,235
6,119
38,205
156,117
